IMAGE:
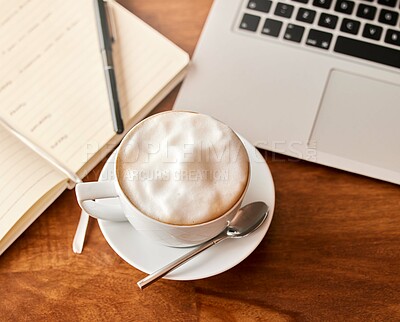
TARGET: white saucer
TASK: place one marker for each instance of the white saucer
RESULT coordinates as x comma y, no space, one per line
148,256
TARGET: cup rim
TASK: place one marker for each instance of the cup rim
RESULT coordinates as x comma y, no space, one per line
131,204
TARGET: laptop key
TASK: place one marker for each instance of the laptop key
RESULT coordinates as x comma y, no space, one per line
284,10
344,6
322,3
260,5
306,15
366,12
350,26
328,21
389,3
319,39
388,17
372,31
301,1
293,32
272,27
368,51
249,22
393,37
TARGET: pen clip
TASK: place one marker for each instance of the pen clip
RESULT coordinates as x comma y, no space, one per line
111,20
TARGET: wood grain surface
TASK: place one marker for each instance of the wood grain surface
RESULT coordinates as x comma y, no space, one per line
331,254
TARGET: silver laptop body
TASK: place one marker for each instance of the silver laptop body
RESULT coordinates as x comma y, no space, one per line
314,90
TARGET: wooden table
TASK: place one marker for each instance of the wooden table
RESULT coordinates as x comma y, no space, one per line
331,254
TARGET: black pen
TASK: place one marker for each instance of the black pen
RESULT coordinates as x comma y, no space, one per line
106,54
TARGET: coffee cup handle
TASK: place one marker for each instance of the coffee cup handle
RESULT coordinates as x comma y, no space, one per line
87,192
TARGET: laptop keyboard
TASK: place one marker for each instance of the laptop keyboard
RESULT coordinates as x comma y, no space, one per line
365,29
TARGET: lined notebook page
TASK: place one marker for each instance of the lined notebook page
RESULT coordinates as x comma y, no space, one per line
25,178
53,86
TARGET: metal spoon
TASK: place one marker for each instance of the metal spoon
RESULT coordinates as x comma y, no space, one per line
247,220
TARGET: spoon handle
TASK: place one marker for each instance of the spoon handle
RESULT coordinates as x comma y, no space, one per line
178,262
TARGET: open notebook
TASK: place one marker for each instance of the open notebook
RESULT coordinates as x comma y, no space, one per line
53,91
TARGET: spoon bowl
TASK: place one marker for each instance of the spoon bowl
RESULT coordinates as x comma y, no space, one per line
248,219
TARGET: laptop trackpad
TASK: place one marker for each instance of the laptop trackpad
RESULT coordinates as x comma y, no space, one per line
359,119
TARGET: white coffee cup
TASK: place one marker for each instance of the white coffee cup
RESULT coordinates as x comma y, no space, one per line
170,234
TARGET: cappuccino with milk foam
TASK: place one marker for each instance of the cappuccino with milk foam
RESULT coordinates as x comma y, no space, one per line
182,168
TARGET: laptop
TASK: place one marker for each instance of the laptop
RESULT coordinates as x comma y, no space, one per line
317,80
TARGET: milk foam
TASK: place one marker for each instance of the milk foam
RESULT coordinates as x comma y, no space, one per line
182,168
